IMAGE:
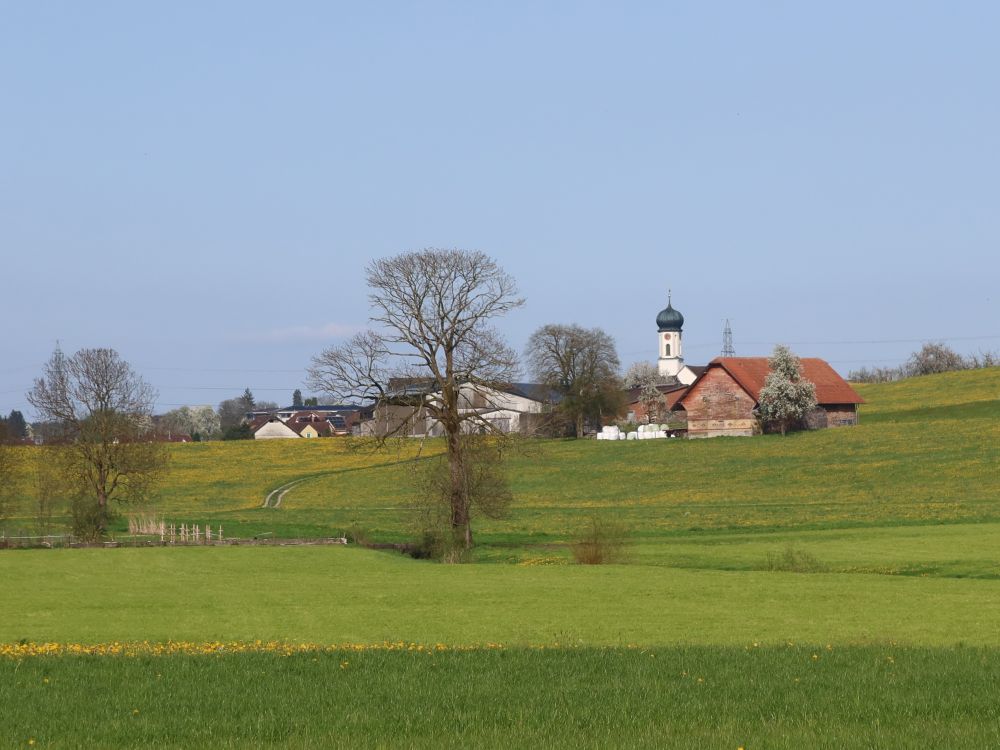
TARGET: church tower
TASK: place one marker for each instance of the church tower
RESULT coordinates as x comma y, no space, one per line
669,323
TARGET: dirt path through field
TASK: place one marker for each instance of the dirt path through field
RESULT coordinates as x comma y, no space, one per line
274,497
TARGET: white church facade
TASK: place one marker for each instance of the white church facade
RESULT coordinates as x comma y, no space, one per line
670,324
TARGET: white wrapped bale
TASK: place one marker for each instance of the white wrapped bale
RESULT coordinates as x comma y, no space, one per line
632,436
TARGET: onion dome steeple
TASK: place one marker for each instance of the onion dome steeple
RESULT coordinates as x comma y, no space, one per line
669,319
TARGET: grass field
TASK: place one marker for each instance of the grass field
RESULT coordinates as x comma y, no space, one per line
337,594
899,519
861,697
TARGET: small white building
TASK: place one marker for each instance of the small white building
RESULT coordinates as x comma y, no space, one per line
274,429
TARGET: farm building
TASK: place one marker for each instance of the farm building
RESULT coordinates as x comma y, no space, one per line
722,399
303,424
636,406
514,408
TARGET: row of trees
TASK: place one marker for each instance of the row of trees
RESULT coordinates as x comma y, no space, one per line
930,359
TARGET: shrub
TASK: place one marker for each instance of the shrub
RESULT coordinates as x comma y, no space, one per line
357,534
602,541
794,560
89,519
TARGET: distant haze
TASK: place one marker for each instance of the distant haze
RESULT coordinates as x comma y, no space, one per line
199,186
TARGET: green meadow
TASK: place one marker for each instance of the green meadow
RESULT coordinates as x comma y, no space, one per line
687,697
838,588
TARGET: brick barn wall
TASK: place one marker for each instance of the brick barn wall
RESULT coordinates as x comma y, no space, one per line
831,415
816,419
717,406
841,415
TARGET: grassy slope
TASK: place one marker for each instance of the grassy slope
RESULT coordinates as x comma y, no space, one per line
926,452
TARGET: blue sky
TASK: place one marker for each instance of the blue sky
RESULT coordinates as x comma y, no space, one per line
199,185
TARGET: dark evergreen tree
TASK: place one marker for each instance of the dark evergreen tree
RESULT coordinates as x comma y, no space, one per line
297,398
16,426
247,400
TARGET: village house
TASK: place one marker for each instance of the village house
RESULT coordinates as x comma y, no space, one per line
721,401
301,424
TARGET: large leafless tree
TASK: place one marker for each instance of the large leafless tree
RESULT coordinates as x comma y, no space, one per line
432,322
581,364
102,412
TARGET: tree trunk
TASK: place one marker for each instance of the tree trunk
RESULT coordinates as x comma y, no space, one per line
461,523
102,512
579,425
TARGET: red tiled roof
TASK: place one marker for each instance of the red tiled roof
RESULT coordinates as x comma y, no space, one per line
673,397
750,373
672,392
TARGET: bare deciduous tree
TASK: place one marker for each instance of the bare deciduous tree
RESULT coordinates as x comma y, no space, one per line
433,311
487,490
581,365
102,411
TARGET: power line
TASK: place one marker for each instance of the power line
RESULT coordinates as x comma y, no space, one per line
218,369
221,388
874,341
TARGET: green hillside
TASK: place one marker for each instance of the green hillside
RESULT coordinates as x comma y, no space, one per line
926,452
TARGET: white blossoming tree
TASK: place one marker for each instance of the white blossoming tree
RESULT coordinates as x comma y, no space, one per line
787,397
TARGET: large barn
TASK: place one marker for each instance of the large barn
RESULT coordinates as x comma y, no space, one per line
722,399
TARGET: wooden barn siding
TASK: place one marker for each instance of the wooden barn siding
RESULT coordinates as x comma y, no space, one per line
717,405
